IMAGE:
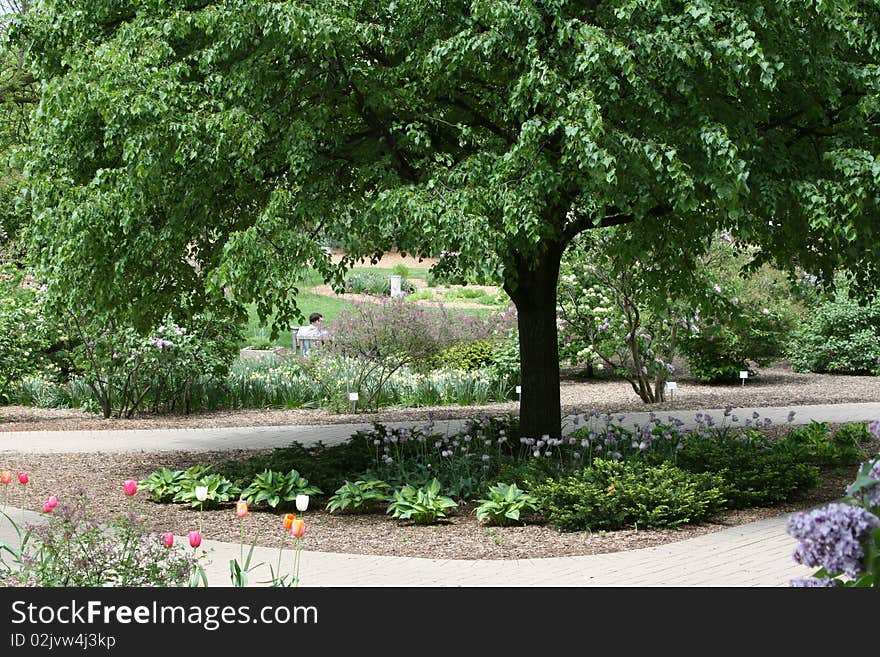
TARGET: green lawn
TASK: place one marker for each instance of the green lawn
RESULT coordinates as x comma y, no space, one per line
258,336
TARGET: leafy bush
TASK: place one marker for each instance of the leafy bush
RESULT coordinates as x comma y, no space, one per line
840,336
755,470
465,355
615,494
423,506
359,496
74,549
504,505
816,444
276,488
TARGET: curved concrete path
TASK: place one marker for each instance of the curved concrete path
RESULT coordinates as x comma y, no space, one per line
756,554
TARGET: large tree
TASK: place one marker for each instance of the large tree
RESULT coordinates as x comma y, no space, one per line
237,133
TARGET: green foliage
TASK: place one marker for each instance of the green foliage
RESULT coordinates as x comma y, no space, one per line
401,270
504,505
163,484
614,495
756,471
375,283
840,336
359,496
814,443
466,355
72,549
277,488
424,506
220,489
146,156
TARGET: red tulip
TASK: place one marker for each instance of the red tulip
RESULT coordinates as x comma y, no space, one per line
5,477
195,539
47,508
241,509
130,487
298,528
23,477
288,520
168,539
52,502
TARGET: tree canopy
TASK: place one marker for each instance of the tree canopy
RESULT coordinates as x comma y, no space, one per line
181,147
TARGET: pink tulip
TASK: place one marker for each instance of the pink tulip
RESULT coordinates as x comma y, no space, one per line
130,487
52,502
5,477
47,508
241,509
168,539
195,539
23,477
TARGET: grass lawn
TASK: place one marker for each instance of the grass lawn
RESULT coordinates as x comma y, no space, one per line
256,335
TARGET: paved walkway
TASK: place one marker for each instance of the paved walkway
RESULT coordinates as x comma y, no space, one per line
756,554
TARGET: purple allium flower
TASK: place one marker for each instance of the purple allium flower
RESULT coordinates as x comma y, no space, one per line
812,582
717,288
755,414
726,238
734,300
831,537
874,428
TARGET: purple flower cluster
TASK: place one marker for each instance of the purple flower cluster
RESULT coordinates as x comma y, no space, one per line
874,428
831,537
812,582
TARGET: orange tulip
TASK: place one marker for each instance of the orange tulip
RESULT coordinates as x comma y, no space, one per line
241,509
298,528
5,477
288,520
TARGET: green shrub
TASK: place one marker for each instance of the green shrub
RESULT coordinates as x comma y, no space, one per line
465,355
816,444
617,494
756,471
504,505
359,496
423,506
401,270
840,337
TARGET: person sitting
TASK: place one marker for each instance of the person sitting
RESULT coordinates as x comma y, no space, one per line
311,335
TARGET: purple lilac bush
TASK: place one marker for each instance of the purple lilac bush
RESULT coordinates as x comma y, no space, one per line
842,539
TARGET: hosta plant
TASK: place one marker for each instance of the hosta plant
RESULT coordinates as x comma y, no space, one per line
274,488
504,505
421,505
220,489
162,485
359,496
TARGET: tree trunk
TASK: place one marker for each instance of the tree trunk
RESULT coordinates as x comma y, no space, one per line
535,298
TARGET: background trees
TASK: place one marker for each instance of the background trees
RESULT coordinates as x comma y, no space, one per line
182,149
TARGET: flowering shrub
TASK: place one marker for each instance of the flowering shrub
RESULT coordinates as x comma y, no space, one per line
842,539
73,549
25,331
126,370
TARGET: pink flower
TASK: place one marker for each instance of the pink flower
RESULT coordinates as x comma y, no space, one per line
241,509
52,502
23,477
47,508
195,539
167,539
130,487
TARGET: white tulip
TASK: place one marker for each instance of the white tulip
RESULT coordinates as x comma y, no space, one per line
201,493
302,502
